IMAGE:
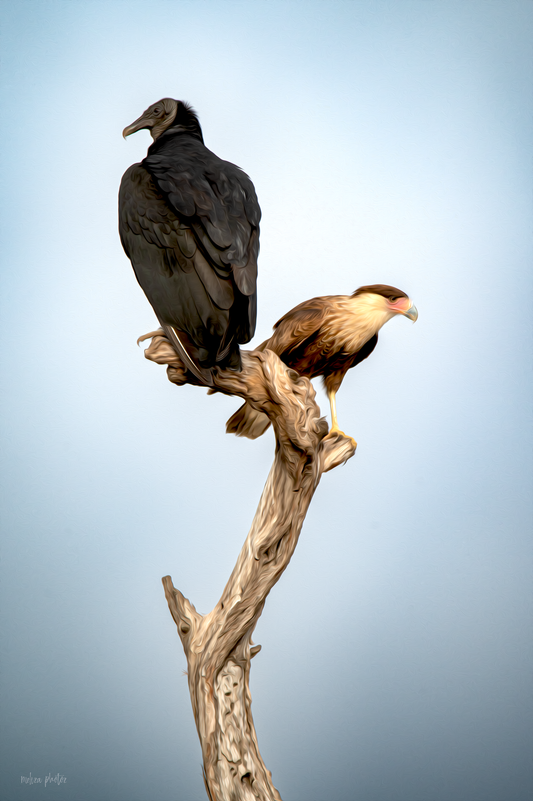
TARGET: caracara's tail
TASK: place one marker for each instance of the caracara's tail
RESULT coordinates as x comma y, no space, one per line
247,422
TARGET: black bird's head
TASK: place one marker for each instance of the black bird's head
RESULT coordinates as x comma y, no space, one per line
164,114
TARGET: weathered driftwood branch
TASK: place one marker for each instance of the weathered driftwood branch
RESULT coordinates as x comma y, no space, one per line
218,646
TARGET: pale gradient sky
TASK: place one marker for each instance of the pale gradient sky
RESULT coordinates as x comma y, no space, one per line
388,142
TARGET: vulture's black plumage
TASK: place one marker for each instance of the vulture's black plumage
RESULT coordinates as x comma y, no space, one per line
189,223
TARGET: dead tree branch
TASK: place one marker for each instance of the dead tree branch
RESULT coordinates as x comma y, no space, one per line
218,646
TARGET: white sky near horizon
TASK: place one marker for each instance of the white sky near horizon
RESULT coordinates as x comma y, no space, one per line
388,142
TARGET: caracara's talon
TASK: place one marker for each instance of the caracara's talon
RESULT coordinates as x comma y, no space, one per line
334,431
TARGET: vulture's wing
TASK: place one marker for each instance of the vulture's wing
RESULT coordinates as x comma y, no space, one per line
143,212
216,198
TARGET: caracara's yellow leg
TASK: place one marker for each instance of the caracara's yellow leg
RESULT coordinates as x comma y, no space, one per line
333,407
334,424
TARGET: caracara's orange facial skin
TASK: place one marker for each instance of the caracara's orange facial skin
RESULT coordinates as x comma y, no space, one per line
399,306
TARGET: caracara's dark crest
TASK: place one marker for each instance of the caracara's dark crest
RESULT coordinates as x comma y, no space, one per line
189,223
326,336
386,291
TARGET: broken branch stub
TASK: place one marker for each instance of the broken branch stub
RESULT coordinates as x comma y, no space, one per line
218,646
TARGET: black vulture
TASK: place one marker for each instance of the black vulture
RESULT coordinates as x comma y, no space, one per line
189,223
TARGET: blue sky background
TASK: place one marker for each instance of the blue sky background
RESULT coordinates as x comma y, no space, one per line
388,142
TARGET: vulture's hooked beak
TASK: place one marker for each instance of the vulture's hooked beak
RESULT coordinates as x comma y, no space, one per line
412,313
144,121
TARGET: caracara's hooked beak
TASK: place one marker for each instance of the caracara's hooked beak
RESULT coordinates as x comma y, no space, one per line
412,313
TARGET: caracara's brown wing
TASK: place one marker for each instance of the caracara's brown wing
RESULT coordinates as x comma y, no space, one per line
300,340
297,326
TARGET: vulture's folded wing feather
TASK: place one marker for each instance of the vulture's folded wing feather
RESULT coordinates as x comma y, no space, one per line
144,213
216,198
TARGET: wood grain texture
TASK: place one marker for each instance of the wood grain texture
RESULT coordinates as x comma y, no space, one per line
218,646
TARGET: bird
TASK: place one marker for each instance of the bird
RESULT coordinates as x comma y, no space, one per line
326,336
189,223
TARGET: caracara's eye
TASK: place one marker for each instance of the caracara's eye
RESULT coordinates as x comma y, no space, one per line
393,300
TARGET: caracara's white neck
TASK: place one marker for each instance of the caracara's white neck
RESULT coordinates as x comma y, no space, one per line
355,320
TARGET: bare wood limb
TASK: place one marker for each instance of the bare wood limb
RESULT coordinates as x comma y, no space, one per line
218,645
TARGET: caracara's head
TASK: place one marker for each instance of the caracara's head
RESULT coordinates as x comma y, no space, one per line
164,114
384,302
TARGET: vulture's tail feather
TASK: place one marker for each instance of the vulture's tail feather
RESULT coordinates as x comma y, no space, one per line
178,340
247,422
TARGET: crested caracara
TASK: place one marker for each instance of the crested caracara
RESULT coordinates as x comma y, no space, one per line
189,223
326,336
